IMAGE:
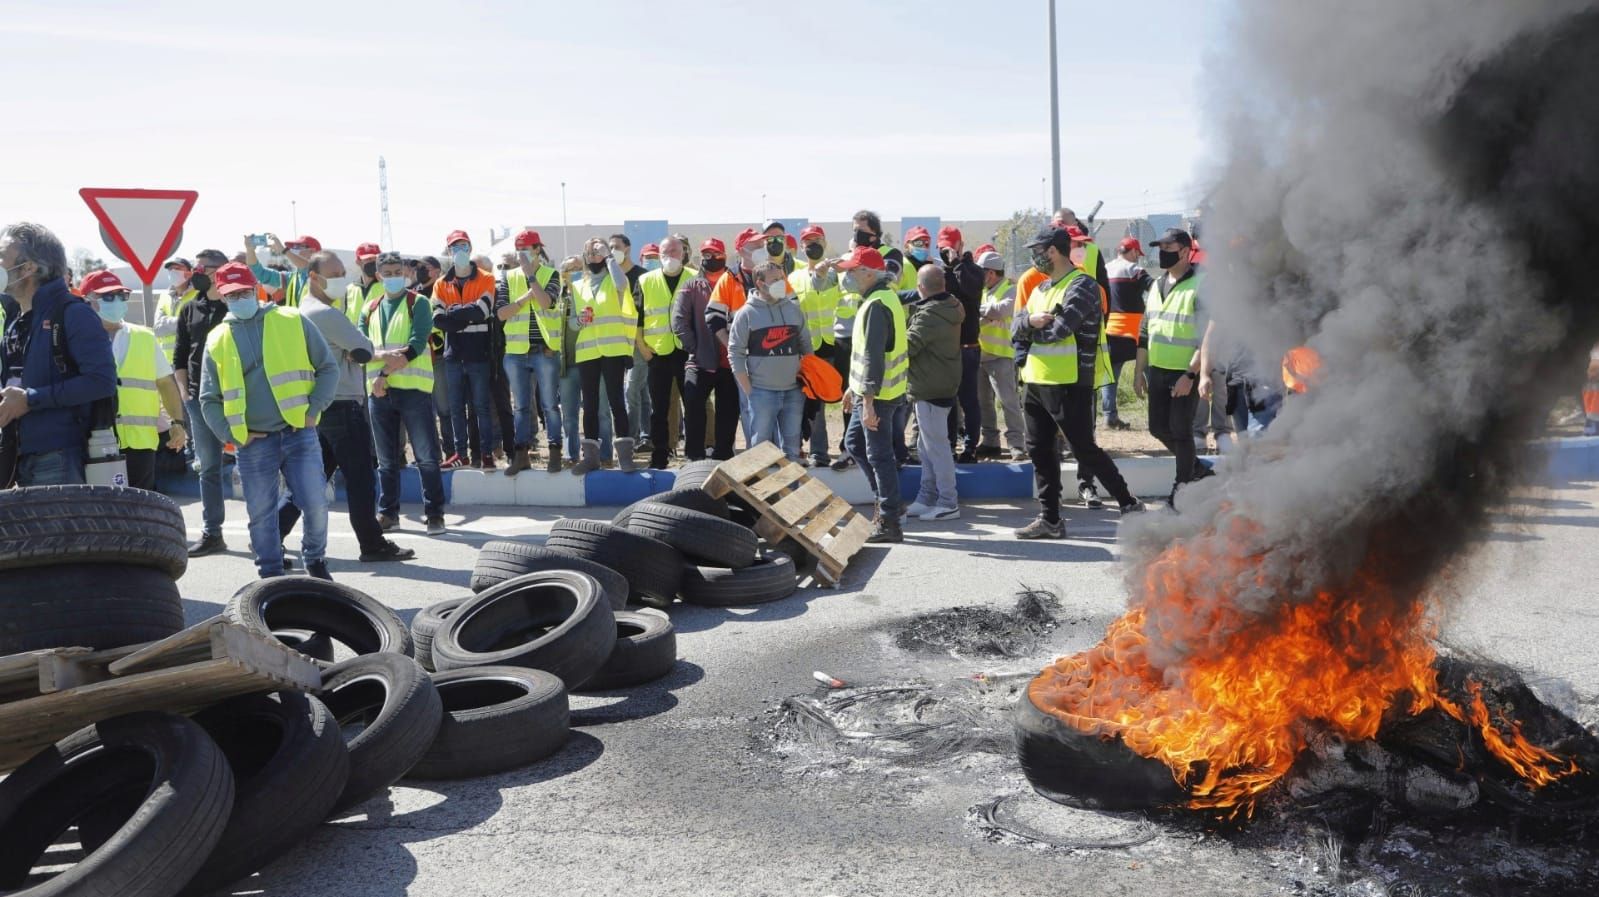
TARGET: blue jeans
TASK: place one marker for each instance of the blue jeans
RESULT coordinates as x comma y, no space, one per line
297,456
873,451
441,408
58,467
412,410
572,415
208,448
777,414
527,373
1107,393
471,377
902,419
637,388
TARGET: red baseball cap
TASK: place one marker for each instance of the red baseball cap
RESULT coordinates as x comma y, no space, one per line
714,245
917,233
949,236
1131,243
308,242
367,251
745,237
864,257
790,242
649,250
233,278
1078,235
813,231
527,239
101,282
456,236
985,248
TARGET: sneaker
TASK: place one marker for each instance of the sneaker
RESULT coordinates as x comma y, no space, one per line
988,452
207,545
389,552
451,463
886,531
821,461
1134,507
436,526
917,509
318,570
1089,496
940,514
1042,529
1019,455
388,522
843,463
488,464
1118,424
966,458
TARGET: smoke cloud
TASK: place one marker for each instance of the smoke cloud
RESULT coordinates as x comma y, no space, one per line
1411,188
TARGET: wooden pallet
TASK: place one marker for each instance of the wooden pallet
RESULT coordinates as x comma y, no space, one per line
793,506
46,695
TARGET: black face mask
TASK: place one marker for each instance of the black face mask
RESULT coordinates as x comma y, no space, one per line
713,265
865,238
596,267
1168,260
950,256
201,282
370,269
774,248
814,251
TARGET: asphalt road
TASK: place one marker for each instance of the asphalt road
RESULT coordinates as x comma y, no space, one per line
676,788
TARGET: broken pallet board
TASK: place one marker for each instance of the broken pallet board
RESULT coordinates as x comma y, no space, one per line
46,695
792,505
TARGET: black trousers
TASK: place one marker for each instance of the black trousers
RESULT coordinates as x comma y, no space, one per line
970,414
1068,410
141,468
664,371
698,386
612,372
346,437
1171,418
842,349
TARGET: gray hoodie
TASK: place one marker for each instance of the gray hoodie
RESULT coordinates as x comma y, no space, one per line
766,342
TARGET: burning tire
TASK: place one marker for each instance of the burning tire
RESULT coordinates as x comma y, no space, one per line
556,621
172,774
771,578
389,713
425,625
47,526
1073,767
343,614
652,568
495,719
646,650
90,606
693,498
500,561
700,537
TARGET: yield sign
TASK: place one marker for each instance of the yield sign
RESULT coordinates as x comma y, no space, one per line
140,226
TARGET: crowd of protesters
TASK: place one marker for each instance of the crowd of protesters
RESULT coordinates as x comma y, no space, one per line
291,367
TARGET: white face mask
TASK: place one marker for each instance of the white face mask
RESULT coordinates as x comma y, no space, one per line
777,289
336,287
671,265
620,255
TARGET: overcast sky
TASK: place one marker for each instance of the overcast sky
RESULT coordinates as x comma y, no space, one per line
686,111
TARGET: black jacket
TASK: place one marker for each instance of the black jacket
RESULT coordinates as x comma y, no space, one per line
965,280
195,322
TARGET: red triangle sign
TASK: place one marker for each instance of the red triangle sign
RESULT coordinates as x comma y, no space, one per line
142,226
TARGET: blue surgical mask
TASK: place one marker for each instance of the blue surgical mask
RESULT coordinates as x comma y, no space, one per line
919,253
394,286
113,310
461,257
243,309
652,264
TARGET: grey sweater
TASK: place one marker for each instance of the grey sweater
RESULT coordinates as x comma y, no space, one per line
350,346
260,408
766,342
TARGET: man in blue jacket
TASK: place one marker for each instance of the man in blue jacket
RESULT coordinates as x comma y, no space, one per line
55,360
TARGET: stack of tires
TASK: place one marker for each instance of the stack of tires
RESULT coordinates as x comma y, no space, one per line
88,566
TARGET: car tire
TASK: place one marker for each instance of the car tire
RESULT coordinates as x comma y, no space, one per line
770,579
426,624
694,498
646,650
388,712
694,474
88,606
500,561
48,526
314,645
557,621
495,719
701,538
346,615
652,568
179,790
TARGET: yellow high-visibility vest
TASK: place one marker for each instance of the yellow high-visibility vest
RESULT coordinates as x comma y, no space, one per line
820,306
658,333
287,362
165,307
897,367
1173,324
1052,364
418,374
994,338
357,299
138,400
614,327
517,339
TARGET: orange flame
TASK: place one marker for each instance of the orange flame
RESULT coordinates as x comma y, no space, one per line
1225,697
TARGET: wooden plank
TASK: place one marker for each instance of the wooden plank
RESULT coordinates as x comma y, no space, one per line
821,526
152,655
741,467
717,485
829,573
849,541
770,529
767,487
806,499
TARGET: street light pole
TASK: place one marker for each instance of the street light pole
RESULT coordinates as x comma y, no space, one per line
564,252
1054,111
294,217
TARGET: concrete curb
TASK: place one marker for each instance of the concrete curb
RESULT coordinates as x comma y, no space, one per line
1567,460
